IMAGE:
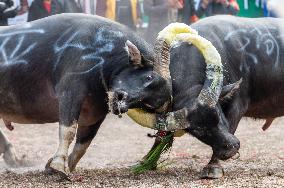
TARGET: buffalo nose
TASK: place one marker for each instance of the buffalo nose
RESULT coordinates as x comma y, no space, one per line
120,95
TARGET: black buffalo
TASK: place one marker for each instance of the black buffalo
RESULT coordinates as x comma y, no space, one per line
251,82
61,69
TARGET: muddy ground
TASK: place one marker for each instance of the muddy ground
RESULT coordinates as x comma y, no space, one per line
120,143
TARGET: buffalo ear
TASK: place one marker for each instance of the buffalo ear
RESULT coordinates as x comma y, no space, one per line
230,90
134,54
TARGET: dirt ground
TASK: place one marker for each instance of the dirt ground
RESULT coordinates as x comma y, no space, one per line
120,143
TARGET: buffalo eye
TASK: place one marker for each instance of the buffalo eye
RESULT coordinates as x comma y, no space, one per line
149,78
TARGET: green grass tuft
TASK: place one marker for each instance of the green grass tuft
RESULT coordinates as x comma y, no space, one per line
150,161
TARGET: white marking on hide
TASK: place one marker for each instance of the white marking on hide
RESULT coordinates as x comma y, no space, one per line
16,37
269,47
20,42
231,34
263,39
22,32
3,50
69,43
102,42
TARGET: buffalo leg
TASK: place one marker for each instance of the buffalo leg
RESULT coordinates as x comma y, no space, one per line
7,149
69,110
213,169
84,137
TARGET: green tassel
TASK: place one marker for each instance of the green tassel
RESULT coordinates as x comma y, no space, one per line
150,161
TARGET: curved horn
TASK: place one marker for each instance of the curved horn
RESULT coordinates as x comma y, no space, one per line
162,50
162,58
163,45
214,70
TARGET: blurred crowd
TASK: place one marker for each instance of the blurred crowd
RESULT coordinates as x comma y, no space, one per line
145,16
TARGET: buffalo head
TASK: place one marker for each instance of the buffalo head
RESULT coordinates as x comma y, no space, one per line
205,118
138,86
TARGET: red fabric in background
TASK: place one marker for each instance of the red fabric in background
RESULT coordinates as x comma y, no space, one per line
47,6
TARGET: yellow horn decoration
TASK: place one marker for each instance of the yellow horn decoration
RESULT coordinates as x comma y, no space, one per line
169,33
210,53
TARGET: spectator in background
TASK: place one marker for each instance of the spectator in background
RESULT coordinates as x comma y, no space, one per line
43,8
7,10
100,8
24,6
97,7
187,13
269,8
215,7
71,6
123,11
157,10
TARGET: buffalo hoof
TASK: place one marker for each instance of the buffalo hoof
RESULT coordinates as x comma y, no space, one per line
212,172
56,165
71,167
71,163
